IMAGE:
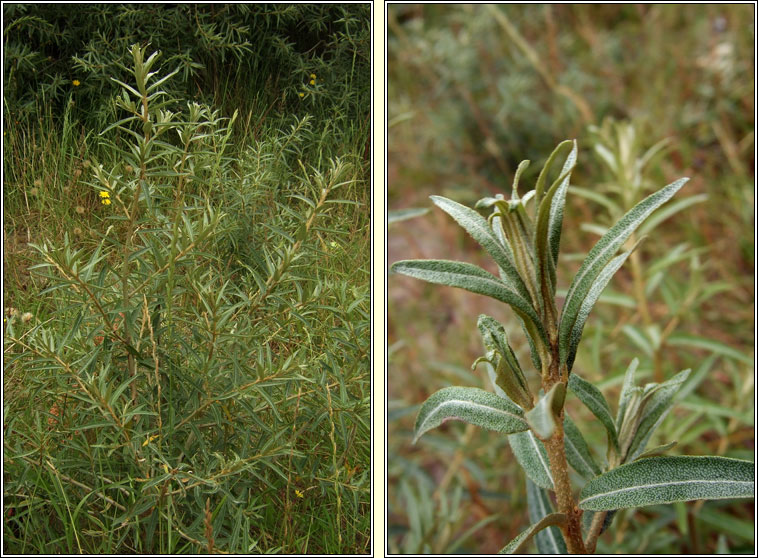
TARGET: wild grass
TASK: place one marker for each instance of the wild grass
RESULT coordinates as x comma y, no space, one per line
186,334
466,103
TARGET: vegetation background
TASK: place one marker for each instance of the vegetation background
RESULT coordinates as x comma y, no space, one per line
469,97
251,432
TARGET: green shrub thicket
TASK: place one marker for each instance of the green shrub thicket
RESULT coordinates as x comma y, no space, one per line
186,333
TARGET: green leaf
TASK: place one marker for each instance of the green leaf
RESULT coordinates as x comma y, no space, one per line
595,402
663,480
658,450
547,229
472,405
509,376
397,215
589,516
659,216
480,230
577,451
474,279
612,207
518,544
556,207
687,340
539,188
601,254
542,418
727,523
626,390
532,456
522,166
655,408
549,541
589,301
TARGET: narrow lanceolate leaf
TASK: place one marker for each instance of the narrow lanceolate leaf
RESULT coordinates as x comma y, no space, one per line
589,301
518,544
601,254
550,205
532,456
543,417
509,376
542,179
550,540
656,407
472,405
687,340
480,230
595,402
577,451
663,480
474,279
659,450
626,390
556,207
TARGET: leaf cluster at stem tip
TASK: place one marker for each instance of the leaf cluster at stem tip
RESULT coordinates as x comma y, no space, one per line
522,235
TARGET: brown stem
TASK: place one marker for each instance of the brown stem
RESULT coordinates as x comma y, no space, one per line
572,529
594,532
556,452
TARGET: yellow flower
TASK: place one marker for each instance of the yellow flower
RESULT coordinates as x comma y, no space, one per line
76,83
302,95
105,201
313,82
150,439
313,76
299,493
104,194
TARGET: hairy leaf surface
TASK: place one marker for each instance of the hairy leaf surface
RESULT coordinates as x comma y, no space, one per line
474,279
549,541
532,456
519,543
601,254
595,402
663,480
472,405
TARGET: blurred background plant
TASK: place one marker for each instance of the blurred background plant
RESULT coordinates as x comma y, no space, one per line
186,279
657,93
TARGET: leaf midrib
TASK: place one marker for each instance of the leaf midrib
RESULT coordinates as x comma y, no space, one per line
656,485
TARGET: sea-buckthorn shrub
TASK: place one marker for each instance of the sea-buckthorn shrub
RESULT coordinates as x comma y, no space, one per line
522,235
199,364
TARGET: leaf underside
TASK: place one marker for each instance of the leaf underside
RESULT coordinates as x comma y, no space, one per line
520,542
471,405
532,456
